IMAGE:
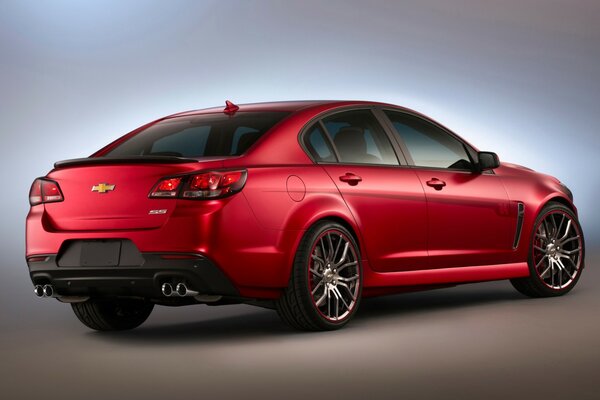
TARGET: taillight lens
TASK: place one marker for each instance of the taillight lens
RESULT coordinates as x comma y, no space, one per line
211,185
207,185
44,191
166,188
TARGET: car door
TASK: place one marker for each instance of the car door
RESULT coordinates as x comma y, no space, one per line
469,213
386,200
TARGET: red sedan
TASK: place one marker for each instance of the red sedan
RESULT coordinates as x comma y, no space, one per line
304,207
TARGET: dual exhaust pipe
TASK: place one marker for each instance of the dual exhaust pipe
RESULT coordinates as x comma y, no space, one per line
168,290
44,291
179,290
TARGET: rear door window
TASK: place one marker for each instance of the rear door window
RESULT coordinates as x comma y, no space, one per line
318,144
359,139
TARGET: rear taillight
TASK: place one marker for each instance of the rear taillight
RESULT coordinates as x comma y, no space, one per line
212,185
44,191
166,188
207,185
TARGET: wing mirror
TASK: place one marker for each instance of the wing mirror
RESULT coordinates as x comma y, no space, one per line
487,160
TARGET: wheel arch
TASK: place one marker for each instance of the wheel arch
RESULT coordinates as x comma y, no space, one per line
334,216
553,197
559,199
344,223
346,220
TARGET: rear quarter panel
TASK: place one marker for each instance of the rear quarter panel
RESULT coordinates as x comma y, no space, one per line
289,200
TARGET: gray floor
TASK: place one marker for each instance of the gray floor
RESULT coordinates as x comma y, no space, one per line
474,341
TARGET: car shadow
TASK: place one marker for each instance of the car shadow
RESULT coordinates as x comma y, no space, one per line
436,300
245,326
265,324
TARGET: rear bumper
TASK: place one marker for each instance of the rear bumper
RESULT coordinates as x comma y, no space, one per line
255,259
143,280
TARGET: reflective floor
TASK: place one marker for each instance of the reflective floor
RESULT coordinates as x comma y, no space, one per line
474,341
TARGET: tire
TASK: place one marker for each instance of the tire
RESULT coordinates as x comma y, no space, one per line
553,270
326,280
113,315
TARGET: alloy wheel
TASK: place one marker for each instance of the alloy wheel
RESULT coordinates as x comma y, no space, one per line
334,275
557,250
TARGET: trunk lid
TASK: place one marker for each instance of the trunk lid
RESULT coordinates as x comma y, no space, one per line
92,203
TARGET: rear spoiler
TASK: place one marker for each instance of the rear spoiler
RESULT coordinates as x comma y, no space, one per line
124,160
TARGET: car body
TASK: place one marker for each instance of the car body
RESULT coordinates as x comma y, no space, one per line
219,205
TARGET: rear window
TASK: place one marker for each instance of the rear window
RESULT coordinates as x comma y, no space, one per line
200,135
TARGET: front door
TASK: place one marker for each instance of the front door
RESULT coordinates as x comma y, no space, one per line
468,220
469,213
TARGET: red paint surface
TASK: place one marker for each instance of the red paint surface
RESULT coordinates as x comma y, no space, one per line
409,233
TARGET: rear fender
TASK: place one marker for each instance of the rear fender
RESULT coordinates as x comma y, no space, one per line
319,208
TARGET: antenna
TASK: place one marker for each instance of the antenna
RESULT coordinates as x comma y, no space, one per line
230,108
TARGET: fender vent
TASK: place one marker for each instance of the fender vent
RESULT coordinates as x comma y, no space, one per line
520,215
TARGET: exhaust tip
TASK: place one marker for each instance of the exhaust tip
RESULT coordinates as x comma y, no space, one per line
48,291
38,290
167,289
181,289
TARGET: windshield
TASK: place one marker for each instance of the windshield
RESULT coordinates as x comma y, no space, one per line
195,136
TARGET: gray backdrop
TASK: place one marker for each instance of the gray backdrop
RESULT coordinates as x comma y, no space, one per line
519,77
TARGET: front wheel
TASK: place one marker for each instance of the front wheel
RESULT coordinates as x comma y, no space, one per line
112,315
326,281
556,254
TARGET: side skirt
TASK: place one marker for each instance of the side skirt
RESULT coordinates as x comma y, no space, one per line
446,275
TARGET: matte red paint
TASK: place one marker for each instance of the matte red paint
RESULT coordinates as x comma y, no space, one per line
409,233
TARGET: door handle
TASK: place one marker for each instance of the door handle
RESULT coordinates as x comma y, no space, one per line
350,179
436,183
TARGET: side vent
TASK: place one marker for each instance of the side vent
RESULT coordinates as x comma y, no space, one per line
520,215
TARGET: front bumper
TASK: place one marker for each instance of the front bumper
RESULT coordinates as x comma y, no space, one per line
139,276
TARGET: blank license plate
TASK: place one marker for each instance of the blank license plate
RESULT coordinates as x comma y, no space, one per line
100,253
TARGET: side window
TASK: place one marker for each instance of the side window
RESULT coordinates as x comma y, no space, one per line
428,145
317,144
359,139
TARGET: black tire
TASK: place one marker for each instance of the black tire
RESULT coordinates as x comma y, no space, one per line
533,285
296,306
113,315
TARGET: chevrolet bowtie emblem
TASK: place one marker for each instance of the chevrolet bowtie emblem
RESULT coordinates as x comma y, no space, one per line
103,188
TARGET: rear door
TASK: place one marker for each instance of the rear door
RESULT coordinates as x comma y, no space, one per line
469,213
385,198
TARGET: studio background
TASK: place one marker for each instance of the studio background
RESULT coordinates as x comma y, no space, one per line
518,77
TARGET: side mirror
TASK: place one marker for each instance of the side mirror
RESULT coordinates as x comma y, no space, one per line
487,160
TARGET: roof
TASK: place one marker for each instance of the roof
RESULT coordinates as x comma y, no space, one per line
290,106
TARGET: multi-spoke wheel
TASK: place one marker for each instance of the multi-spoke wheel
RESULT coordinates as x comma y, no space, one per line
556,254
334,275
326,282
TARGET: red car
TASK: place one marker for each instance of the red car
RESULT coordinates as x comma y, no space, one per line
304,207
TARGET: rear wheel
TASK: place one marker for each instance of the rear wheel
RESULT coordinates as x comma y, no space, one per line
556,254
113,315
326,281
